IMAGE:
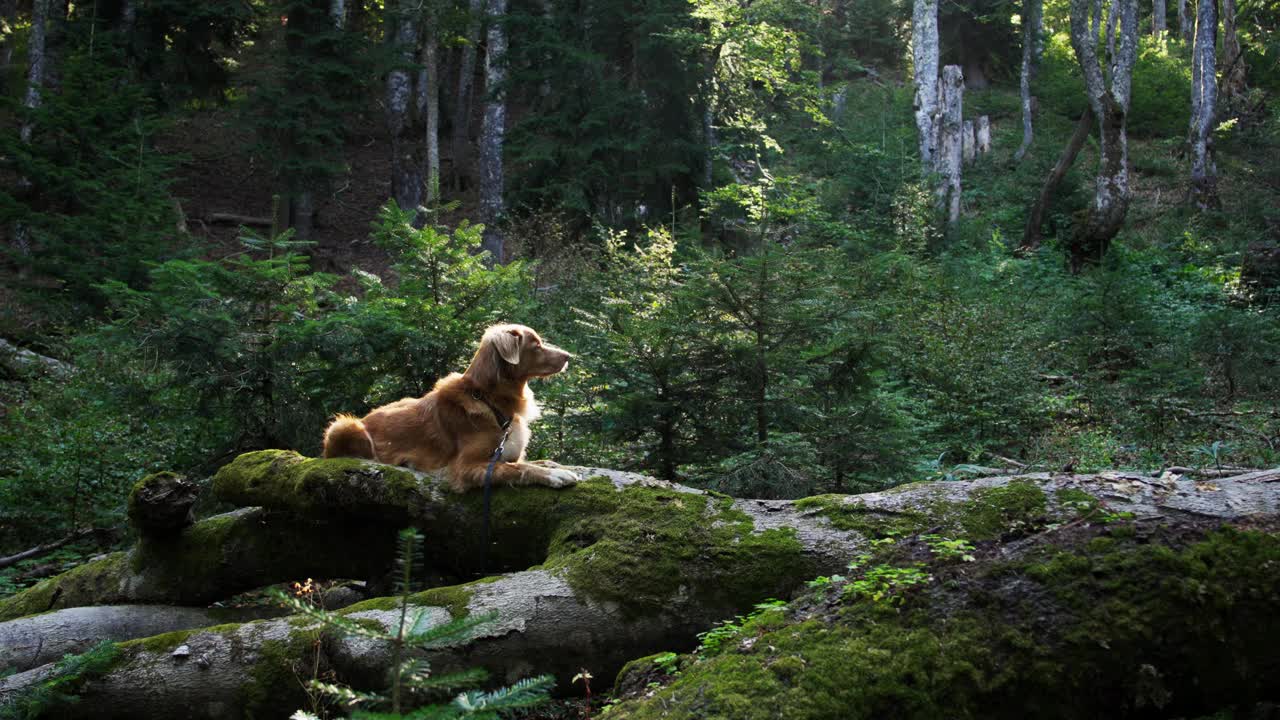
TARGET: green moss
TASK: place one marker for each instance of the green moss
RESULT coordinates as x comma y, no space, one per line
455,598
1115,627
160,643
275,684
991,512
95,582
869,522
285,480
641,546
1075,499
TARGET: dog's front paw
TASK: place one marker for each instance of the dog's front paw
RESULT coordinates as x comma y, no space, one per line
547,464
560,477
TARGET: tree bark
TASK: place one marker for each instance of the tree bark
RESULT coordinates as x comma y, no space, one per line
1035,216
969,140
463,101
982,133
1031,20
492,131
1235,72
1184,22
1109,93
20,361
630,566
951,141
431,62
33,641
1158,12
402,125
1204,97
924,56
212,560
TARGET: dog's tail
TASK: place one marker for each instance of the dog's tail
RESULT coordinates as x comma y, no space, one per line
347,437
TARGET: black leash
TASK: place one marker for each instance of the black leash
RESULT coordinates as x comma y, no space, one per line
504,423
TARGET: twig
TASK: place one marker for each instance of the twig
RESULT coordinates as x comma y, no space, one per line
39,550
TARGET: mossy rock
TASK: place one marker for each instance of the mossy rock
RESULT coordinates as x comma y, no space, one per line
1121,625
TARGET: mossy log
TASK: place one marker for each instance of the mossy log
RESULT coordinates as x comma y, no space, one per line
33,641
625,566
213,559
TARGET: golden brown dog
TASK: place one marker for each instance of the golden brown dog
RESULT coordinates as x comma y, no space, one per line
458,424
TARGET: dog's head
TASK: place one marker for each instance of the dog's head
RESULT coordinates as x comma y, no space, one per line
515,352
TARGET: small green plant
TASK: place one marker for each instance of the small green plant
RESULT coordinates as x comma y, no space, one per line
883,583
1214,452
713,640
62,685
823,583
413,677
668,663
948,549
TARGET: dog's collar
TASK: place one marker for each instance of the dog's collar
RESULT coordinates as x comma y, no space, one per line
504,422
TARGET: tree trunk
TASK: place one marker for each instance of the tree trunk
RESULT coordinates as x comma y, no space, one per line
402,125
431,64
1184,21
1035,216
466,79
1235,72
982,134
969,142
951,141
629,566
1158,12
338,13
492,131
1108,93
1031,20
1204,98
36,61
924,55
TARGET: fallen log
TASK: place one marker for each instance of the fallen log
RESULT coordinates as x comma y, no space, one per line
20,361
40,639
626,566
213,559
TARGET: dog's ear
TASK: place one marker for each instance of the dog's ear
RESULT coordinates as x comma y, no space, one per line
508,342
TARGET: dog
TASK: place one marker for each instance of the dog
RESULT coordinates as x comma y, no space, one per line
457,426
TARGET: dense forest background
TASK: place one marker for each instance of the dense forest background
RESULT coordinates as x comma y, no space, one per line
232,219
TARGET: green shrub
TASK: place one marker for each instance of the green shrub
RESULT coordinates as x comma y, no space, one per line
1161,85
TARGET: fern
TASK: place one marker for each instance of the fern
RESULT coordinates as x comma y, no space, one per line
63,684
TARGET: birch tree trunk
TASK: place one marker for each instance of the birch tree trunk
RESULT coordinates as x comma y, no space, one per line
1158,12
983,134
1031,20
462,103
969,142
1204,98
951,140
924,56
406,164
1109,93
492,130
1234,72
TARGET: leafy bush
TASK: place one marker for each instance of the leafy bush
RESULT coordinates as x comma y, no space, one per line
1161,85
